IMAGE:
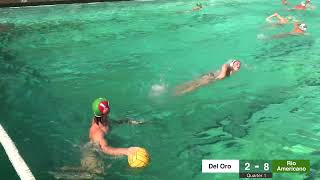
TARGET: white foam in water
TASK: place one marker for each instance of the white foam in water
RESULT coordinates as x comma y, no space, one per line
261,36
158,89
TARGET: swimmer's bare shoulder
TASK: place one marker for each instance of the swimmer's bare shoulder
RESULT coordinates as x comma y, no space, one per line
96,136
223,72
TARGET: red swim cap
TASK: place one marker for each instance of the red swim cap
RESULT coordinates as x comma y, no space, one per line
100,106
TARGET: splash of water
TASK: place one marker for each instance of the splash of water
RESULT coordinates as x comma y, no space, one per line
158,89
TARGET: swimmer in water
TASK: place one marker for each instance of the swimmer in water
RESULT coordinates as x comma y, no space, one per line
284,2
197,7
280,19
100,127
90,163
304,5
226,70
298,29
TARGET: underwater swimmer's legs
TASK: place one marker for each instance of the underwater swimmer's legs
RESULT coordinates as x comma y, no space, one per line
74,175
71,168
91,167
87,170
88,164
189,86
281,35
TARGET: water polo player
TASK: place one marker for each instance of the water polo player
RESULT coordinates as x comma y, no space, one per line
226,70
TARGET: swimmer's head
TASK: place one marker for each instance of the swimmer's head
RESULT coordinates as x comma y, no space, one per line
235,64
199,5
100,107
302,27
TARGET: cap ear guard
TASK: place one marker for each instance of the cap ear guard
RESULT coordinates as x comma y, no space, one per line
103,106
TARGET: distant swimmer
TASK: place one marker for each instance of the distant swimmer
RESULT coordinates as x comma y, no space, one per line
280,19
284,2
304,5
197,7
226,70
298,29
301,6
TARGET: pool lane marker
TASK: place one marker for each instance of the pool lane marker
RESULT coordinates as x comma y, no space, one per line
16,160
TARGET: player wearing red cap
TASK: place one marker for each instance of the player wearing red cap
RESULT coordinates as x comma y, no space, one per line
91,164
100,127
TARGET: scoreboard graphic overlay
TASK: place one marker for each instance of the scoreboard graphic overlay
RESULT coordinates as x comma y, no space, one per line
255,168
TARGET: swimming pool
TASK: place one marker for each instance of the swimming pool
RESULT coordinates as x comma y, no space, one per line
56,59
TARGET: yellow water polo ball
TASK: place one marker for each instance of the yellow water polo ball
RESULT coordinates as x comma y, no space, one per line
139,158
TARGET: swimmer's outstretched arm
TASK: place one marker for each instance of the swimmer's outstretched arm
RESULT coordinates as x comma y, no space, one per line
196,8
111,150
280,18
223,72
270,17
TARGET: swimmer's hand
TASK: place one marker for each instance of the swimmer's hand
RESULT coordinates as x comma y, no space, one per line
131,150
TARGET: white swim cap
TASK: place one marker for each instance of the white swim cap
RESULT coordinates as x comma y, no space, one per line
232,61
303,27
